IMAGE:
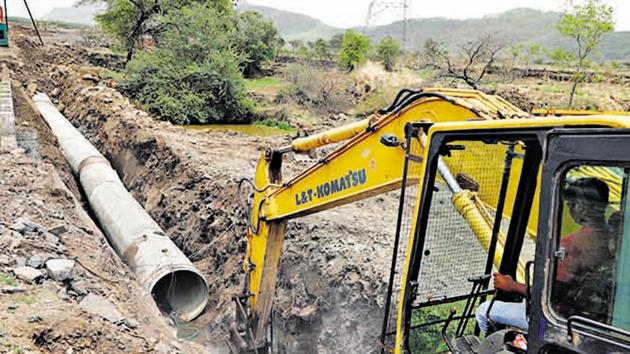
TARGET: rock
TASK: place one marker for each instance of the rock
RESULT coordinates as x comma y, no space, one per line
11,240
28,274
69,351
36,261
23,225
130,323
31,88
19,261
60,269
58,230
98,305
79,287
34,319
5,260
11,289
52,239
88,77
56,92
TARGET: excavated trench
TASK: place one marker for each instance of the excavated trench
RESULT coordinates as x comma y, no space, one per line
333,275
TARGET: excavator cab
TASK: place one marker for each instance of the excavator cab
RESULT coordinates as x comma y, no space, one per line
557,222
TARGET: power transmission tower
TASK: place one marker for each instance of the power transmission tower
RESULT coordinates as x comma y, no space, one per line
378,7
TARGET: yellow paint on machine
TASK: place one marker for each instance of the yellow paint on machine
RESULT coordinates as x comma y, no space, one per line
621,122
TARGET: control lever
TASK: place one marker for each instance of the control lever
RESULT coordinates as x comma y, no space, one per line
445,328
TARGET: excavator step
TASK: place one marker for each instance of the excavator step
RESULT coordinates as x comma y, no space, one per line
466,345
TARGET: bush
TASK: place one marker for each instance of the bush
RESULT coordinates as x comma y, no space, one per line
354,50
256,39
387,51
192,75
321,90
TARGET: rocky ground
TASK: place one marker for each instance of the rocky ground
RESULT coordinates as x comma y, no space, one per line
62,288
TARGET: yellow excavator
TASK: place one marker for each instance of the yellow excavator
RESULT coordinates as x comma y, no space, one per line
481,190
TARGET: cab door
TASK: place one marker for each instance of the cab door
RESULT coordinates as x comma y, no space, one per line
581,288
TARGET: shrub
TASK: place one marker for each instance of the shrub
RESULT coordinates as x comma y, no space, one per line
256,39
322,90
192,75
354,50
387,51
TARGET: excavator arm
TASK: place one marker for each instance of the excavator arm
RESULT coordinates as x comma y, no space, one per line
369,162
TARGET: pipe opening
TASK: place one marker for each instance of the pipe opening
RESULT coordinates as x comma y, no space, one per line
182,294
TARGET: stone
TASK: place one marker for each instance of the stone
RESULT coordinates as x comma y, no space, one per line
5,260
28,274
131,323
98,305
88,77
60,269
58,230
11,289
19,261
56,92
31,88
51,238
23,225
36,261
11,240
34,319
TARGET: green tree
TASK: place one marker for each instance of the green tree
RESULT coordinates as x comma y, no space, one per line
256,39
354,50
586,24
296,44
335,42
321,49
533,54
129,21
192,75
387,51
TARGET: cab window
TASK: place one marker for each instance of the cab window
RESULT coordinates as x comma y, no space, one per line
592,249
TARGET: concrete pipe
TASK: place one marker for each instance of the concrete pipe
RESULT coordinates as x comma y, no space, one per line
177,286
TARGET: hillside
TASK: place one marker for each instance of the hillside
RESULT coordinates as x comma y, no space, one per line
293,25
82,15
516,26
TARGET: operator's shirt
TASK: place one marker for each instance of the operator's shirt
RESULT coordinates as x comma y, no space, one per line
584,250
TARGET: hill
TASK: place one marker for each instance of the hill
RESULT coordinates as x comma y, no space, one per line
81,15
293,25
523,25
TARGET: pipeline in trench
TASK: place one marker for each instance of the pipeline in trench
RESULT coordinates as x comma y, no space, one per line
178,288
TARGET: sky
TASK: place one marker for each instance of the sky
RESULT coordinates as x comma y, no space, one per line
352,13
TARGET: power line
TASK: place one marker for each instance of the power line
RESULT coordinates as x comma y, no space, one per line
378,7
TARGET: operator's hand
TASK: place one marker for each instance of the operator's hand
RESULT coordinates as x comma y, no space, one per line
504,282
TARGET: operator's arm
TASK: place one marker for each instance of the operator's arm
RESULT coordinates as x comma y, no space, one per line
507,284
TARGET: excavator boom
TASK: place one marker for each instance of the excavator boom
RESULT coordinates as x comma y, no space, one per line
368,162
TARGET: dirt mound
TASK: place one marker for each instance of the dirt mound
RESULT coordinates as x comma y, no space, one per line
333,274
63,289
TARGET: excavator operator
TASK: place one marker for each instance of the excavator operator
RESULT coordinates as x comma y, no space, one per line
580,254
